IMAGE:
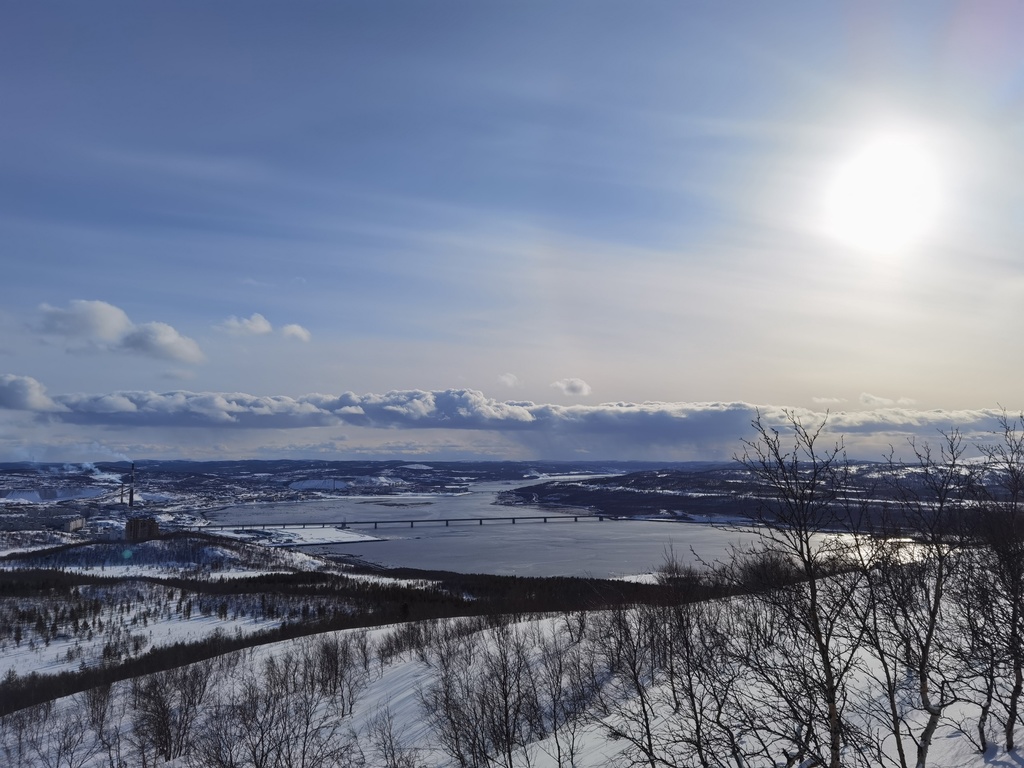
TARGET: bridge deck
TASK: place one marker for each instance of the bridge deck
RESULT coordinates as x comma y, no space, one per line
446,521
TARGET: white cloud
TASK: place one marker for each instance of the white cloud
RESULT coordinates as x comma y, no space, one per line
257,325
295,331
573,387
828,400
254,325
162,341
102,327
509,380
92,320
23,393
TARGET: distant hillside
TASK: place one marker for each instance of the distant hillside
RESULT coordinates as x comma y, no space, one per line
697,491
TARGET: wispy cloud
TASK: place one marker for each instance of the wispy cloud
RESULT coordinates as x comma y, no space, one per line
509,380
96,326
178,374
874,401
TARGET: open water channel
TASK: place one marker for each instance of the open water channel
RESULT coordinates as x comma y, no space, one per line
607,549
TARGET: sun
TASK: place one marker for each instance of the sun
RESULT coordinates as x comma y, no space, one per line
885,197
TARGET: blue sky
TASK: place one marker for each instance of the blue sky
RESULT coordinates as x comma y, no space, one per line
497,230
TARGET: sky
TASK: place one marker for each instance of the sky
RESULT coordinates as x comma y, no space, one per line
506,230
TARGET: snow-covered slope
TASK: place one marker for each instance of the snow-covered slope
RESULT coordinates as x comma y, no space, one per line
407,695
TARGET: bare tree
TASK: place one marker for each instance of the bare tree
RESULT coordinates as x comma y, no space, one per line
450,703
483,701
508,694
167,706
105,708
1000,532
389,742
17,731
70,744
910,618
807,482
220,740
561,694
708,725
977,614
626,648
58,736
340,665
575,624
277,715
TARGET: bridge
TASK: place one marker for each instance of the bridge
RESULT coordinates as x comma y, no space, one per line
376,524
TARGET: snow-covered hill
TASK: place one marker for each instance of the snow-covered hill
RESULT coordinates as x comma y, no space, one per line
544,693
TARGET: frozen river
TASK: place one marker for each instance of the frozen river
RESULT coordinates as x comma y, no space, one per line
607,549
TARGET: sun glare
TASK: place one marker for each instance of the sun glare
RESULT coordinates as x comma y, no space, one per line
885,197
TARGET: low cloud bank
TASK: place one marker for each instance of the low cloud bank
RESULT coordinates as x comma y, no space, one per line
638,424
